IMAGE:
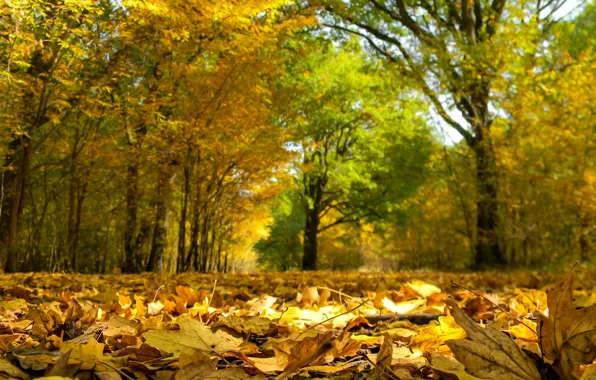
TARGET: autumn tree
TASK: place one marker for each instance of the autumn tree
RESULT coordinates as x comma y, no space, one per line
455,51
54,56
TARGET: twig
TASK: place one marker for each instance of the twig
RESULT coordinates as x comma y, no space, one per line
497,306
224,359
336,292
212,293
156,292
328,319
417,319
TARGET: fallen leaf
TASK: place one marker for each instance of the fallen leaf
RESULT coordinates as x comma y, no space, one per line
567,335
13,372
193,335
430,337
446,365
489,353
90,356
384,359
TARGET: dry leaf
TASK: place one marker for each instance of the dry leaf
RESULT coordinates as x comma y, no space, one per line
193,335
446,365
567,335
384,359
6,368
489,353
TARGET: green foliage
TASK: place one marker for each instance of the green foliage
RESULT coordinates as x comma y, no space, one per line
282,249
360,134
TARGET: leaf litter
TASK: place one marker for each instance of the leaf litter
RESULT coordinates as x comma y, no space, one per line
298,325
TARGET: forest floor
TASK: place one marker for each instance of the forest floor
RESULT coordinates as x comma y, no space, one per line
297,325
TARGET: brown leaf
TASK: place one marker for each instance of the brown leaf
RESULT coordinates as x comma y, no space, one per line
450,368
61,367
384,359
6,368
567,336
489,353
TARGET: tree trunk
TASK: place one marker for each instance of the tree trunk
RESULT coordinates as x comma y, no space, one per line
15,185
193,253
72,190
204,241
132,263
488,252
309,260
77,225
180,267
160,231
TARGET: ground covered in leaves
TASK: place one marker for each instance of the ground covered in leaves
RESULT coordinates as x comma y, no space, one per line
298,325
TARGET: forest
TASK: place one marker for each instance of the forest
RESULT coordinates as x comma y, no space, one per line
298,189
173,136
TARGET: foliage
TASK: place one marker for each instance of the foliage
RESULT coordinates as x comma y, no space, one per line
170,136
282,249
362,139
468,59
389,326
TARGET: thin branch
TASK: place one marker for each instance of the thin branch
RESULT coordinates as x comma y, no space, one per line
497,306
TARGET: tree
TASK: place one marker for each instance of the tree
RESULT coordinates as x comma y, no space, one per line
362,140
282,249
455,51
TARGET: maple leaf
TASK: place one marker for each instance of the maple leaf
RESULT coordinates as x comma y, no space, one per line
90,356
489,353
193,335
567,335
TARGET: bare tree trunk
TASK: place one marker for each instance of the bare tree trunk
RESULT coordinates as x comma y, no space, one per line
77,225
488,252
160,230
180,263
132,263
72,190
14,204
204,241
309,259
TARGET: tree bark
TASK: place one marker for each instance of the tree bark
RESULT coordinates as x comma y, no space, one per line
77,225
487,251
309,259
72,200
15,185
160,230
132,263
180,263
